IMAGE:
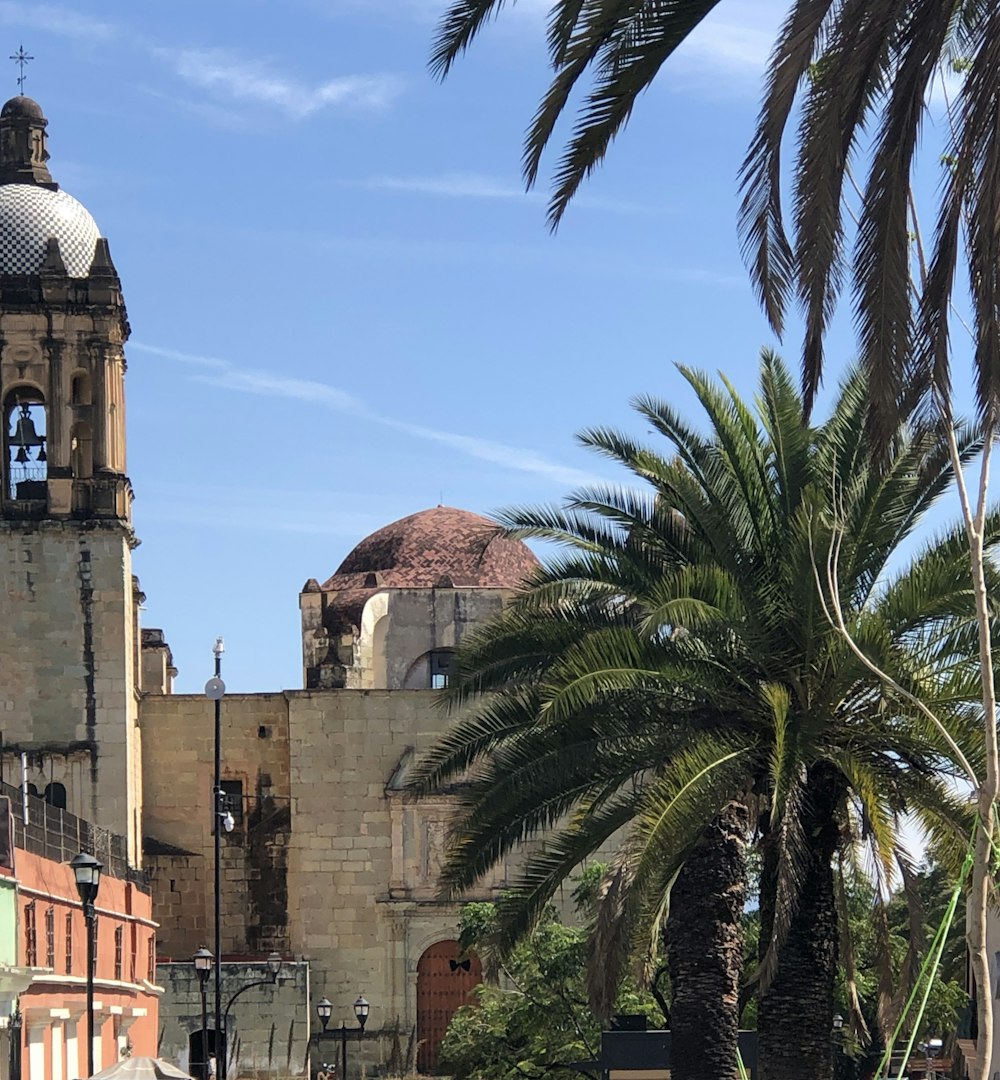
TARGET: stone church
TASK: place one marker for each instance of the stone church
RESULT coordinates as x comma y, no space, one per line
326,863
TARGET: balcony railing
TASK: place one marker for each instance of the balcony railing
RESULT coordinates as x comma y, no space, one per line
57,834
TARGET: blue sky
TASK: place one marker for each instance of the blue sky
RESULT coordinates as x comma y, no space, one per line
344,308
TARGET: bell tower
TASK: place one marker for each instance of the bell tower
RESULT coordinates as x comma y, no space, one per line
68,601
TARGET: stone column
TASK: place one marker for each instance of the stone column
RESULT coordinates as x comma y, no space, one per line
72,1026
36,1026
58,1040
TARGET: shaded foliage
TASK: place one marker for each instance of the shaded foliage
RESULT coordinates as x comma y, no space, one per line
534,1019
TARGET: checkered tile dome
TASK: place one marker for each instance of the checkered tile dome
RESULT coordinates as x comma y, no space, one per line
29,215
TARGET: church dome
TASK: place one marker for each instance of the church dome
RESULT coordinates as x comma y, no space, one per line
22,106
438,548
29,215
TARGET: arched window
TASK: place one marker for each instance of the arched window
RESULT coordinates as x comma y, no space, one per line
79,389
24,441
55,795
432,670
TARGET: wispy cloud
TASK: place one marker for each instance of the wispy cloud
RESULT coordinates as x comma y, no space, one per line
56,20
731,47
470,185
228,376
449,185
423,10
252,81
226,77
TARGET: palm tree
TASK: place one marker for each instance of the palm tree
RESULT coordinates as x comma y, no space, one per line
676,667
859,74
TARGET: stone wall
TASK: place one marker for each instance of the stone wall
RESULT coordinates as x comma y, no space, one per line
67,640
346,878
362,870
269,1026
178,755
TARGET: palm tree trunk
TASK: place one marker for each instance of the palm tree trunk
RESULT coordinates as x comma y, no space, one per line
704,937
795,1013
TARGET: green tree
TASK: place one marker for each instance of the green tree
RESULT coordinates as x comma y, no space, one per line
859,75
676,663
534,1019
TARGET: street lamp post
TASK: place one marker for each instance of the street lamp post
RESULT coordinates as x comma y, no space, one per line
361,1008
215,689
324,1010
87,871
202,961
838,1045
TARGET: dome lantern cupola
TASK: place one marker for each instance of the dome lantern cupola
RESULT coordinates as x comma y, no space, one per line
23,151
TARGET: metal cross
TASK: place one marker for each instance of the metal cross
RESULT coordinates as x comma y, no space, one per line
20,58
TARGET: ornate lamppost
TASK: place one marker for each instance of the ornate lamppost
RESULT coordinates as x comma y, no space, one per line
361,1008
87,871
202,961
215,690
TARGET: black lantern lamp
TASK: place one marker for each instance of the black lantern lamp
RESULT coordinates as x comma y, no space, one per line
87,871
274,965
203,961
838,1022
324,1010
361,1010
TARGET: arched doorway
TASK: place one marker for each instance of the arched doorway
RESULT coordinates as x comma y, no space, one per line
444,979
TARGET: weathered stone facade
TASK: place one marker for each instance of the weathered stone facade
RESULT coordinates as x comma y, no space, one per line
68,694
269,1024
329,861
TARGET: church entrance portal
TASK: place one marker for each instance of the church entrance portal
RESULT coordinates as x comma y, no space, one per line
444,979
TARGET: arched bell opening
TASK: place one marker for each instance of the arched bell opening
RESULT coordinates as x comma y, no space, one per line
81,446
24,444
55,795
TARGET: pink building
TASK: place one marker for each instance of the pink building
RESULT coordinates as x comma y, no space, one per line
50,968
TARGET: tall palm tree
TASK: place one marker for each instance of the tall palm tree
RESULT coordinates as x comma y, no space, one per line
859,73
675,666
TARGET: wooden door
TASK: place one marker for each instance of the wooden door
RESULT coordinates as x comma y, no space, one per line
444,979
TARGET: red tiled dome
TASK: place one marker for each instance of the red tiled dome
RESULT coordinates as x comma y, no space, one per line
438,548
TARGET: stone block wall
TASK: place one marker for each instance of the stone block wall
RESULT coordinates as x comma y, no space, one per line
348,846
177,766
332,864
67,695
269,1026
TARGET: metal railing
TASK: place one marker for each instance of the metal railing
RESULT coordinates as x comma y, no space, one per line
57,834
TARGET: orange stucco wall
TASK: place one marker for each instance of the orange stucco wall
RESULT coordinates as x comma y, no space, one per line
54,1005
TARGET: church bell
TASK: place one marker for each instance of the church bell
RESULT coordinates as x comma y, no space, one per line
26,436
